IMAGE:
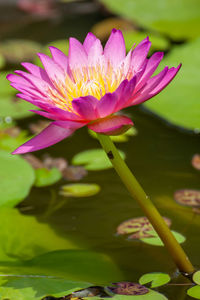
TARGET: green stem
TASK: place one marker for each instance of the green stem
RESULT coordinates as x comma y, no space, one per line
175,250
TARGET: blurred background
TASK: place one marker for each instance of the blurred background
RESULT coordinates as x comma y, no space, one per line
37,213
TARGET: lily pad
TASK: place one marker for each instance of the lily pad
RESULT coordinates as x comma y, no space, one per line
156,279
196,277
80,190
179,19
16,179
194,292
35,288
94,160
14,108
196,161
179,103
151,295
23,237
188,197
158,42
45,177
10,143
156,241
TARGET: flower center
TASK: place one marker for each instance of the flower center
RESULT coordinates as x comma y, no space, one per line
92,80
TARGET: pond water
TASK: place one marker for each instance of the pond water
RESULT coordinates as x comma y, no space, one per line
159,156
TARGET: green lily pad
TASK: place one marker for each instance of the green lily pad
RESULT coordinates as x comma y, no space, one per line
156,279
194,292
16,179
9,143
80,190
18,109
158,42
179,19
196,277
179,103
23,237
151,295
45,177
37,288
156,241
119,138
94,160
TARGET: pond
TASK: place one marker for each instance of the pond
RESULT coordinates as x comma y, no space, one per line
160,156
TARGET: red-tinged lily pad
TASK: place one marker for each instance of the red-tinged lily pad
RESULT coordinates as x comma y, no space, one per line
188,197
139,227
128,288
196,161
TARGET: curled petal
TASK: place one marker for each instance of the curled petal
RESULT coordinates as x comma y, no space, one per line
48,137
114,125
115,50
139,55
86,107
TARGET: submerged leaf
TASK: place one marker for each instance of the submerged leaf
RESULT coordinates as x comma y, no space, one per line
128,288
188,197
45,177
94,159
80,190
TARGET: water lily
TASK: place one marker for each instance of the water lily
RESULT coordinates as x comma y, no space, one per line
89,87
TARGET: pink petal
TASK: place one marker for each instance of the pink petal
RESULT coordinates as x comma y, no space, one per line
151,66
36,71
107,104
49,136
115,50
139,55
53,70
148,88
114,125
89,41
86,107
59,57
127,94
77,54
95,53
18,79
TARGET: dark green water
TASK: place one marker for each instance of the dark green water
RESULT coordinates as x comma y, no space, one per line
159,156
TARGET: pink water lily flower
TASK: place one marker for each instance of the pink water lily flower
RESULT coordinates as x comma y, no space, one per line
89,86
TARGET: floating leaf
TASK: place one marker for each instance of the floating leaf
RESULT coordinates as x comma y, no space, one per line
179,103
196,277
194,292
151,295
156,279
196,161
158,42
94,159
188,197
16,179
179,20
23,237
119,138
16,109
80,190
128,288
45,177
156,241
35,288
